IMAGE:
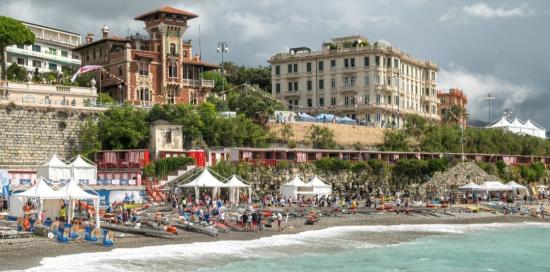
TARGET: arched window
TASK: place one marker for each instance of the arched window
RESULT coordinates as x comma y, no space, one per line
173,49
172,69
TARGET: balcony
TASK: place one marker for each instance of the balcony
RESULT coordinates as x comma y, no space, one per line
43,55
198,83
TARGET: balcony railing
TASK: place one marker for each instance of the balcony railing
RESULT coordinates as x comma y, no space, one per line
204,83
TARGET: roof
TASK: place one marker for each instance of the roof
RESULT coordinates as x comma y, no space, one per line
41,190
205,179
168,10
112,39
296,182
73,191
201,63
51,28
316,182
56,162
81,163
235,182
495,186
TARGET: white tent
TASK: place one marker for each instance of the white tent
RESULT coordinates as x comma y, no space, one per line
295,187
73,192
320,187
495,186
83,171
54,170
50,200
471,187
205,180
235,184
517,187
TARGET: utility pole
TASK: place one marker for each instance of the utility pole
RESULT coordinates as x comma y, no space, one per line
489,98
222,48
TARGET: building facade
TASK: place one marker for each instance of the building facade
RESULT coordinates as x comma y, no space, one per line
47,95
376,84
51,51
452,106
158,68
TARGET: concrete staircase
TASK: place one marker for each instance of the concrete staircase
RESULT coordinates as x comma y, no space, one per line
180,173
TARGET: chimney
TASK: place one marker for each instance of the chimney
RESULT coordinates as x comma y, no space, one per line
105,31
89,37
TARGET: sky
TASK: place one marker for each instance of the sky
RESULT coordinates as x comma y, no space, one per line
498,47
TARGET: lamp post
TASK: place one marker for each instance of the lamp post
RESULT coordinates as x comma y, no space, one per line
222,48
489,98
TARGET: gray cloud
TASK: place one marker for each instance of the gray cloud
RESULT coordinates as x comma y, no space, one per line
502,47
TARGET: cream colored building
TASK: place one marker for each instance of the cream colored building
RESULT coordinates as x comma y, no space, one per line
165,137
45,95
376,83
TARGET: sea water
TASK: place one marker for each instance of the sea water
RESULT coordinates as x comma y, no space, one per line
474,247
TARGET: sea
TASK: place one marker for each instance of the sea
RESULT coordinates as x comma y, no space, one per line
434,247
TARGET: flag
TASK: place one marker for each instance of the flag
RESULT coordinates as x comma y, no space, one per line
85,69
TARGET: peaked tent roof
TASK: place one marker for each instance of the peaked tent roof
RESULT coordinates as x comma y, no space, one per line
41,190
80,162
471,186
495,186
296,182
501,122
73,191
515,185
235,182
205,179
317,182
55,162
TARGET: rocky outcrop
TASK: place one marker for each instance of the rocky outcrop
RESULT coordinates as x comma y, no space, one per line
450,180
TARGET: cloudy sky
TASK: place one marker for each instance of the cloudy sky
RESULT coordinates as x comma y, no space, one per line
498,47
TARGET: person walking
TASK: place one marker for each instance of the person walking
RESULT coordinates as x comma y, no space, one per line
542,210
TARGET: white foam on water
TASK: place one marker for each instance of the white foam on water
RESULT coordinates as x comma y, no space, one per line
104,261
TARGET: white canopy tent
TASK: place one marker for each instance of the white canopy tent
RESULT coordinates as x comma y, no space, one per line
204,180
471,187
517,187
83,171
235,184
49,200
72,192
295,187
55,170
495,186
320,187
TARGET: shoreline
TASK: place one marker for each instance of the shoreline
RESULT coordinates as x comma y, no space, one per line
27,253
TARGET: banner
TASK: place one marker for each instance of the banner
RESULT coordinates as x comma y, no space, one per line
85,69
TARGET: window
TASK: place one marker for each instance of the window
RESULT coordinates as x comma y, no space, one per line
52,66
277,70
366,80
321,102
296,102
289,68
308,67
36,63
352,81
289,104
346,82
395,63
333,101
295,67
366,61
389,100
433,109
352,62
377,78
172,69
333,83
346,101
309,85
320,66
321,84
309,102
367,99
346,63
143,94
377,60
378,99
388,79
36,48
290,86
21,61
368,118
396,100
168,136
433,75
332,64
171,96
64,53
378,117
173,49
277,87
143,68
296,86
53,51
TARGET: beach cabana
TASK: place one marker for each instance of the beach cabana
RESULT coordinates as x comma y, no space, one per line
83,170
471,187
72,192
320,188
295,187
235,184
55,170
49,200
204,180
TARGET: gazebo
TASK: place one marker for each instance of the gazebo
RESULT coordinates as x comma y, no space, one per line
84,171
320,187
295,187
235,184
72,192
204,180
55,170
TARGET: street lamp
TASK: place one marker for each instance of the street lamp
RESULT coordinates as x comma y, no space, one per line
222,48
489,98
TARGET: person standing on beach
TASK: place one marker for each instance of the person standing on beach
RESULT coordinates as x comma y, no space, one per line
398,203
542,210
279,221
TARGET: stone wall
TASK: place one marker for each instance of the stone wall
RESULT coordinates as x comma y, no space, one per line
30,135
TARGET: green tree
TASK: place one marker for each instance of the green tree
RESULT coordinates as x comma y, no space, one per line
395,140
253,103
219,81
105,99
123,127
89,138
287,133
12,32
16,73
321,137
